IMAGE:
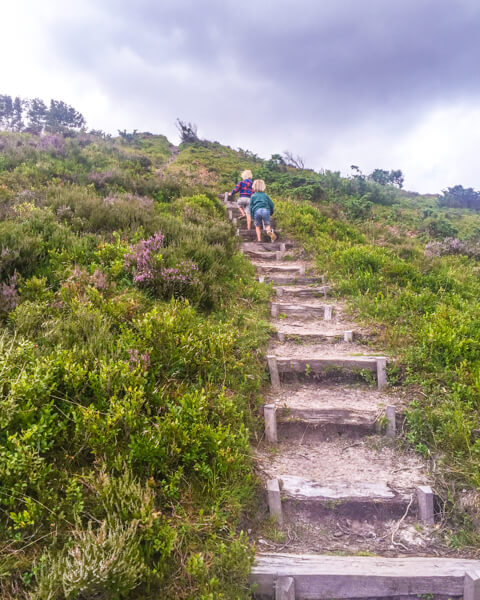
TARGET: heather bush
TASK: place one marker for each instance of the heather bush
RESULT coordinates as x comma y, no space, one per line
130,374
149,270
452,246
8,296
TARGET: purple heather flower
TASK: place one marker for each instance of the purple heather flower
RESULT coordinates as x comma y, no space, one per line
8,295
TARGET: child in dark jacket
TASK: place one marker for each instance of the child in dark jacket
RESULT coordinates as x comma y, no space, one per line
261,209
244,189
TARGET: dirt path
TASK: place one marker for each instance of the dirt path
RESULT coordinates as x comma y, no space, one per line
338,478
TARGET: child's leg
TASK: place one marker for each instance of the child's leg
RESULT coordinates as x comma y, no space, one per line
269,230
241,209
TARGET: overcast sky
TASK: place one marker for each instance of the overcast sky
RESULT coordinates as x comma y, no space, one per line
391,84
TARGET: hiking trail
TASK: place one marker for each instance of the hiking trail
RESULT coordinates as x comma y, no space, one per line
353,512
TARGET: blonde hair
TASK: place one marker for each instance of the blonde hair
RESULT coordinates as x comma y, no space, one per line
259,185
247,174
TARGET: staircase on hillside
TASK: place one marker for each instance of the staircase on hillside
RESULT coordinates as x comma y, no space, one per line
354,509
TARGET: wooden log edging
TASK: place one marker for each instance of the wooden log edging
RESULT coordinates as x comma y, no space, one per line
270,418
342,577
425,498
472,584
285,588
273,368
390,414
274,500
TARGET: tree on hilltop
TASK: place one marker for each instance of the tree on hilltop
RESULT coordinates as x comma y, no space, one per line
11,111
33,116
292,160
62,117
460,197
36,115
383,177
187,131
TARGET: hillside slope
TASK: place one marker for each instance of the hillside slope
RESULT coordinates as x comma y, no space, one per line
133,338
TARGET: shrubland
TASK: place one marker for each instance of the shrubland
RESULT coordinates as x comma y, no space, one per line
130,372
132,338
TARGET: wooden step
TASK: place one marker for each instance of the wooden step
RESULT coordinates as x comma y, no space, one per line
250,234
323,423
327,366
322,412
325,577
267,246
299,291
317,331
303,311
311,500
369,479
311,337
283,269
285,279
264,255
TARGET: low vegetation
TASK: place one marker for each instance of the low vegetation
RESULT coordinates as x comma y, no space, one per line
421,298
130,376
132,337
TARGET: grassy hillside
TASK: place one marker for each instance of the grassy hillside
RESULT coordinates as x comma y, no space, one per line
131,332
132,337
410,269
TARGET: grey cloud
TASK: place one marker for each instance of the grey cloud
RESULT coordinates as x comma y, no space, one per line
310,65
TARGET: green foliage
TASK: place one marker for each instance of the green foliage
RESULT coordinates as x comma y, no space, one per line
427,308
458,196
439,227
125,409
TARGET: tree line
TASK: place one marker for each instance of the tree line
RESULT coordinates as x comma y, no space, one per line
460,197
34,116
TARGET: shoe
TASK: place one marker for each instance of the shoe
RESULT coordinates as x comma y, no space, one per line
272,235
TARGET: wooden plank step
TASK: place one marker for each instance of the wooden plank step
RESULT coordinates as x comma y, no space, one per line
324,423
264,255
268,246
327,577
314,364
285,279
313,499
250,234
299,291
304,311
311,331
329,365
310,337
320,412
279,269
